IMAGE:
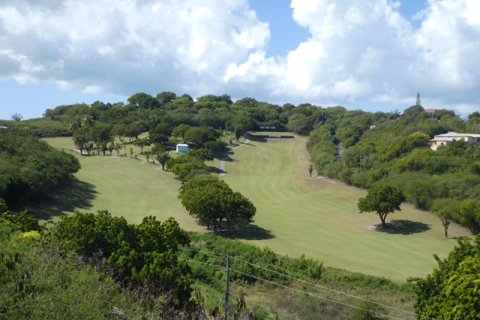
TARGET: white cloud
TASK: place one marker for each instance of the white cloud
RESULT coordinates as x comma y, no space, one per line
359,53
123,46
364,53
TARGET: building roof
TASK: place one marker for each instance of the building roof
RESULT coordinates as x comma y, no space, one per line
455,134
430,110
3,127
182,145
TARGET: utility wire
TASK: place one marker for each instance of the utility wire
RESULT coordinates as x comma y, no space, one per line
305,282
300,291
323,287
316,296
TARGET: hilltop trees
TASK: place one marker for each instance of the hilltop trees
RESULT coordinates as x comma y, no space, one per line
383,200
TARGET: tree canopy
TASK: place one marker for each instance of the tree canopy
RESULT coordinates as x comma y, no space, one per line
212,202
383,200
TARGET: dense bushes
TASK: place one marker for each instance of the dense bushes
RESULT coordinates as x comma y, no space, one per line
141,255
30,168
451,291
245,257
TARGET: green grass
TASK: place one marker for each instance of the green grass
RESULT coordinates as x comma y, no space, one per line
319,217
296,214
126,187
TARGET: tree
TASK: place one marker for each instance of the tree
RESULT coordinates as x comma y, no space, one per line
141,142
160,134
198,136
383,200
186,167
212,202
81,137
148,154
470,214
162,158
17,117
180,131
451,291
446,210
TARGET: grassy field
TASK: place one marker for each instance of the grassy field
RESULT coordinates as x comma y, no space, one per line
319,217
126,187
296,214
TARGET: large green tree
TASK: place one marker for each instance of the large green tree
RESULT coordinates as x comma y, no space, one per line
383,200
212,202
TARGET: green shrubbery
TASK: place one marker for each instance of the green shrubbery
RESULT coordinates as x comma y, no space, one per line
30,168
451,291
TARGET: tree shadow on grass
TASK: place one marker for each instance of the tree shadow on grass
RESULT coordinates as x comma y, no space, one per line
256,138
71,196
404,227
247,232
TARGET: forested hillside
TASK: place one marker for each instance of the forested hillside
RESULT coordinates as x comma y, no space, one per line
365,149
157,269
360,148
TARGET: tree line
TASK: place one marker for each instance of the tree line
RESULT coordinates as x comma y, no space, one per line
30,168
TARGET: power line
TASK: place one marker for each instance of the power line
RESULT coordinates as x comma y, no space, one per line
307,282
323,287
316,296
303,281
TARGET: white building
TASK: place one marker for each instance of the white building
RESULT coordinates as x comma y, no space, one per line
182,148
444,139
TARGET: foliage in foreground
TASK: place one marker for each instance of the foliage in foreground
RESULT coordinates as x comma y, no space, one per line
141,255
452,290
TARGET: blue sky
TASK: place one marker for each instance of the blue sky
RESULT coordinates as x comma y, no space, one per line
373,56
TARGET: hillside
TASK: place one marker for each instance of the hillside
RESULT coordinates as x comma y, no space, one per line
296,214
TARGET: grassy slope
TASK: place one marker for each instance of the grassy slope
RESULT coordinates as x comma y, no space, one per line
129,187
311,216
319,217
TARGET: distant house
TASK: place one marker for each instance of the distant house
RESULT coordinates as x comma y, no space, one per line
3,128
182,148
444,139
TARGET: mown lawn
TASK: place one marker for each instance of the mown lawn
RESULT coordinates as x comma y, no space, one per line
126,187
318,217
296,214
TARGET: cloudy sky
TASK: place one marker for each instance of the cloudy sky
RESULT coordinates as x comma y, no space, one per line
373,55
